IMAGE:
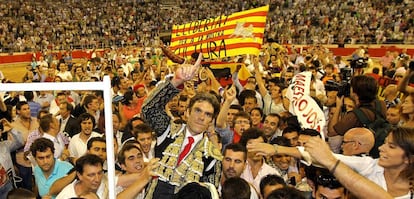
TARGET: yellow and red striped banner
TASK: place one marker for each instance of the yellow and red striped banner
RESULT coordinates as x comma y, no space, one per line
223,36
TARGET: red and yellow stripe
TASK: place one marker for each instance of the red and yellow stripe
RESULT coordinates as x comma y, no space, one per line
215,37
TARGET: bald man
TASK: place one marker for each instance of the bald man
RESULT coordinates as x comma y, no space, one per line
357,141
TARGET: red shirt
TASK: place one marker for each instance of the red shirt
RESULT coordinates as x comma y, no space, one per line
236,137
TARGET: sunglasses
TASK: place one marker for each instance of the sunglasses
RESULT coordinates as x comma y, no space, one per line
327,180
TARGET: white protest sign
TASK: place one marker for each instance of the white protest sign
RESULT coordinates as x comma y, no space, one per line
309,114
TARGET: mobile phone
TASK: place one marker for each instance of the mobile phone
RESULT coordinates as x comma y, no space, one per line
292,181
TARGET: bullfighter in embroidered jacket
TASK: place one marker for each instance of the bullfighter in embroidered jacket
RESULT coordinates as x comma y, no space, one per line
186,154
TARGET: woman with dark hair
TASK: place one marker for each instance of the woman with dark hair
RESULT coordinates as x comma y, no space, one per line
393,170
256,114
129,107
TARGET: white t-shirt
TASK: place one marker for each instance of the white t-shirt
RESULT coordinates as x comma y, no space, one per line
119,189
369,168
69,190
77,147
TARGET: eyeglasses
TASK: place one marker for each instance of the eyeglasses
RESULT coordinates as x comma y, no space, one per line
242,122
346,142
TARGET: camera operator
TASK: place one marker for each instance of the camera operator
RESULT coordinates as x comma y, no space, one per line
364,92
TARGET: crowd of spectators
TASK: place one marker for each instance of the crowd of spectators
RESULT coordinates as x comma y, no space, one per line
147,97
35,25
175,124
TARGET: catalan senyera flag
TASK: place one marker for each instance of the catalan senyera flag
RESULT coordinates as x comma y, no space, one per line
222,36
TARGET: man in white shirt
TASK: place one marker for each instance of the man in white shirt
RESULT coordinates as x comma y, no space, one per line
89,170
50,128
256,167
77,145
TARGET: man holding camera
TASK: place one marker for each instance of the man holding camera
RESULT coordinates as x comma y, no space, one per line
363,91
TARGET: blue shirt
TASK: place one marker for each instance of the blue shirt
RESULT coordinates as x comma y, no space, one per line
60,169
34,108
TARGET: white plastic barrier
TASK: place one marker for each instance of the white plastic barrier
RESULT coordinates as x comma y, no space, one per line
105,86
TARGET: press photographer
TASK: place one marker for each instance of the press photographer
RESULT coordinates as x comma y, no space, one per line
364,92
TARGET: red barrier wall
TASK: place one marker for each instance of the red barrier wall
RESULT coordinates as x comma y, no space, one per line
27,57
374,51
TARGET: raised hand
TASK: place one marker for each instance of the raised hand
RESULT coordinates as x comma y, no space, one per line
150,168
231,93
263,149
319,151
6,125
186,72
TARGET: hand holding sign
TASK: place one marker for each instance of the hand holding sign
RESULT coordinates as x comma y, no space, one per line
186,72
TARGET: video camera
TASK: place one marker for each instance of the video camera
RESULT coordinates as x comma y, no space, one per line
343,87
358,62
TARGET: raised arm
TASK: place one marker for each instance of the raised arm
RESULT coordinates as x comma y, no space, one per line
15,139
140,182
351,180
335,117
266,149
235,79
3,107
259,78
153,111
230,95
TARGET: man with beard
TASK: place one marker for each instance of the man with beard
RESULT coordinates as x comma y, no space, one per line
48,169
234,161
271,126
77,146
144,135
89,172
24,124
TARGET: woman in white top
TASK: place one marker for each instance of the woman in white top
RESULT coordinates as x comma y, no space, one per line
393,171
